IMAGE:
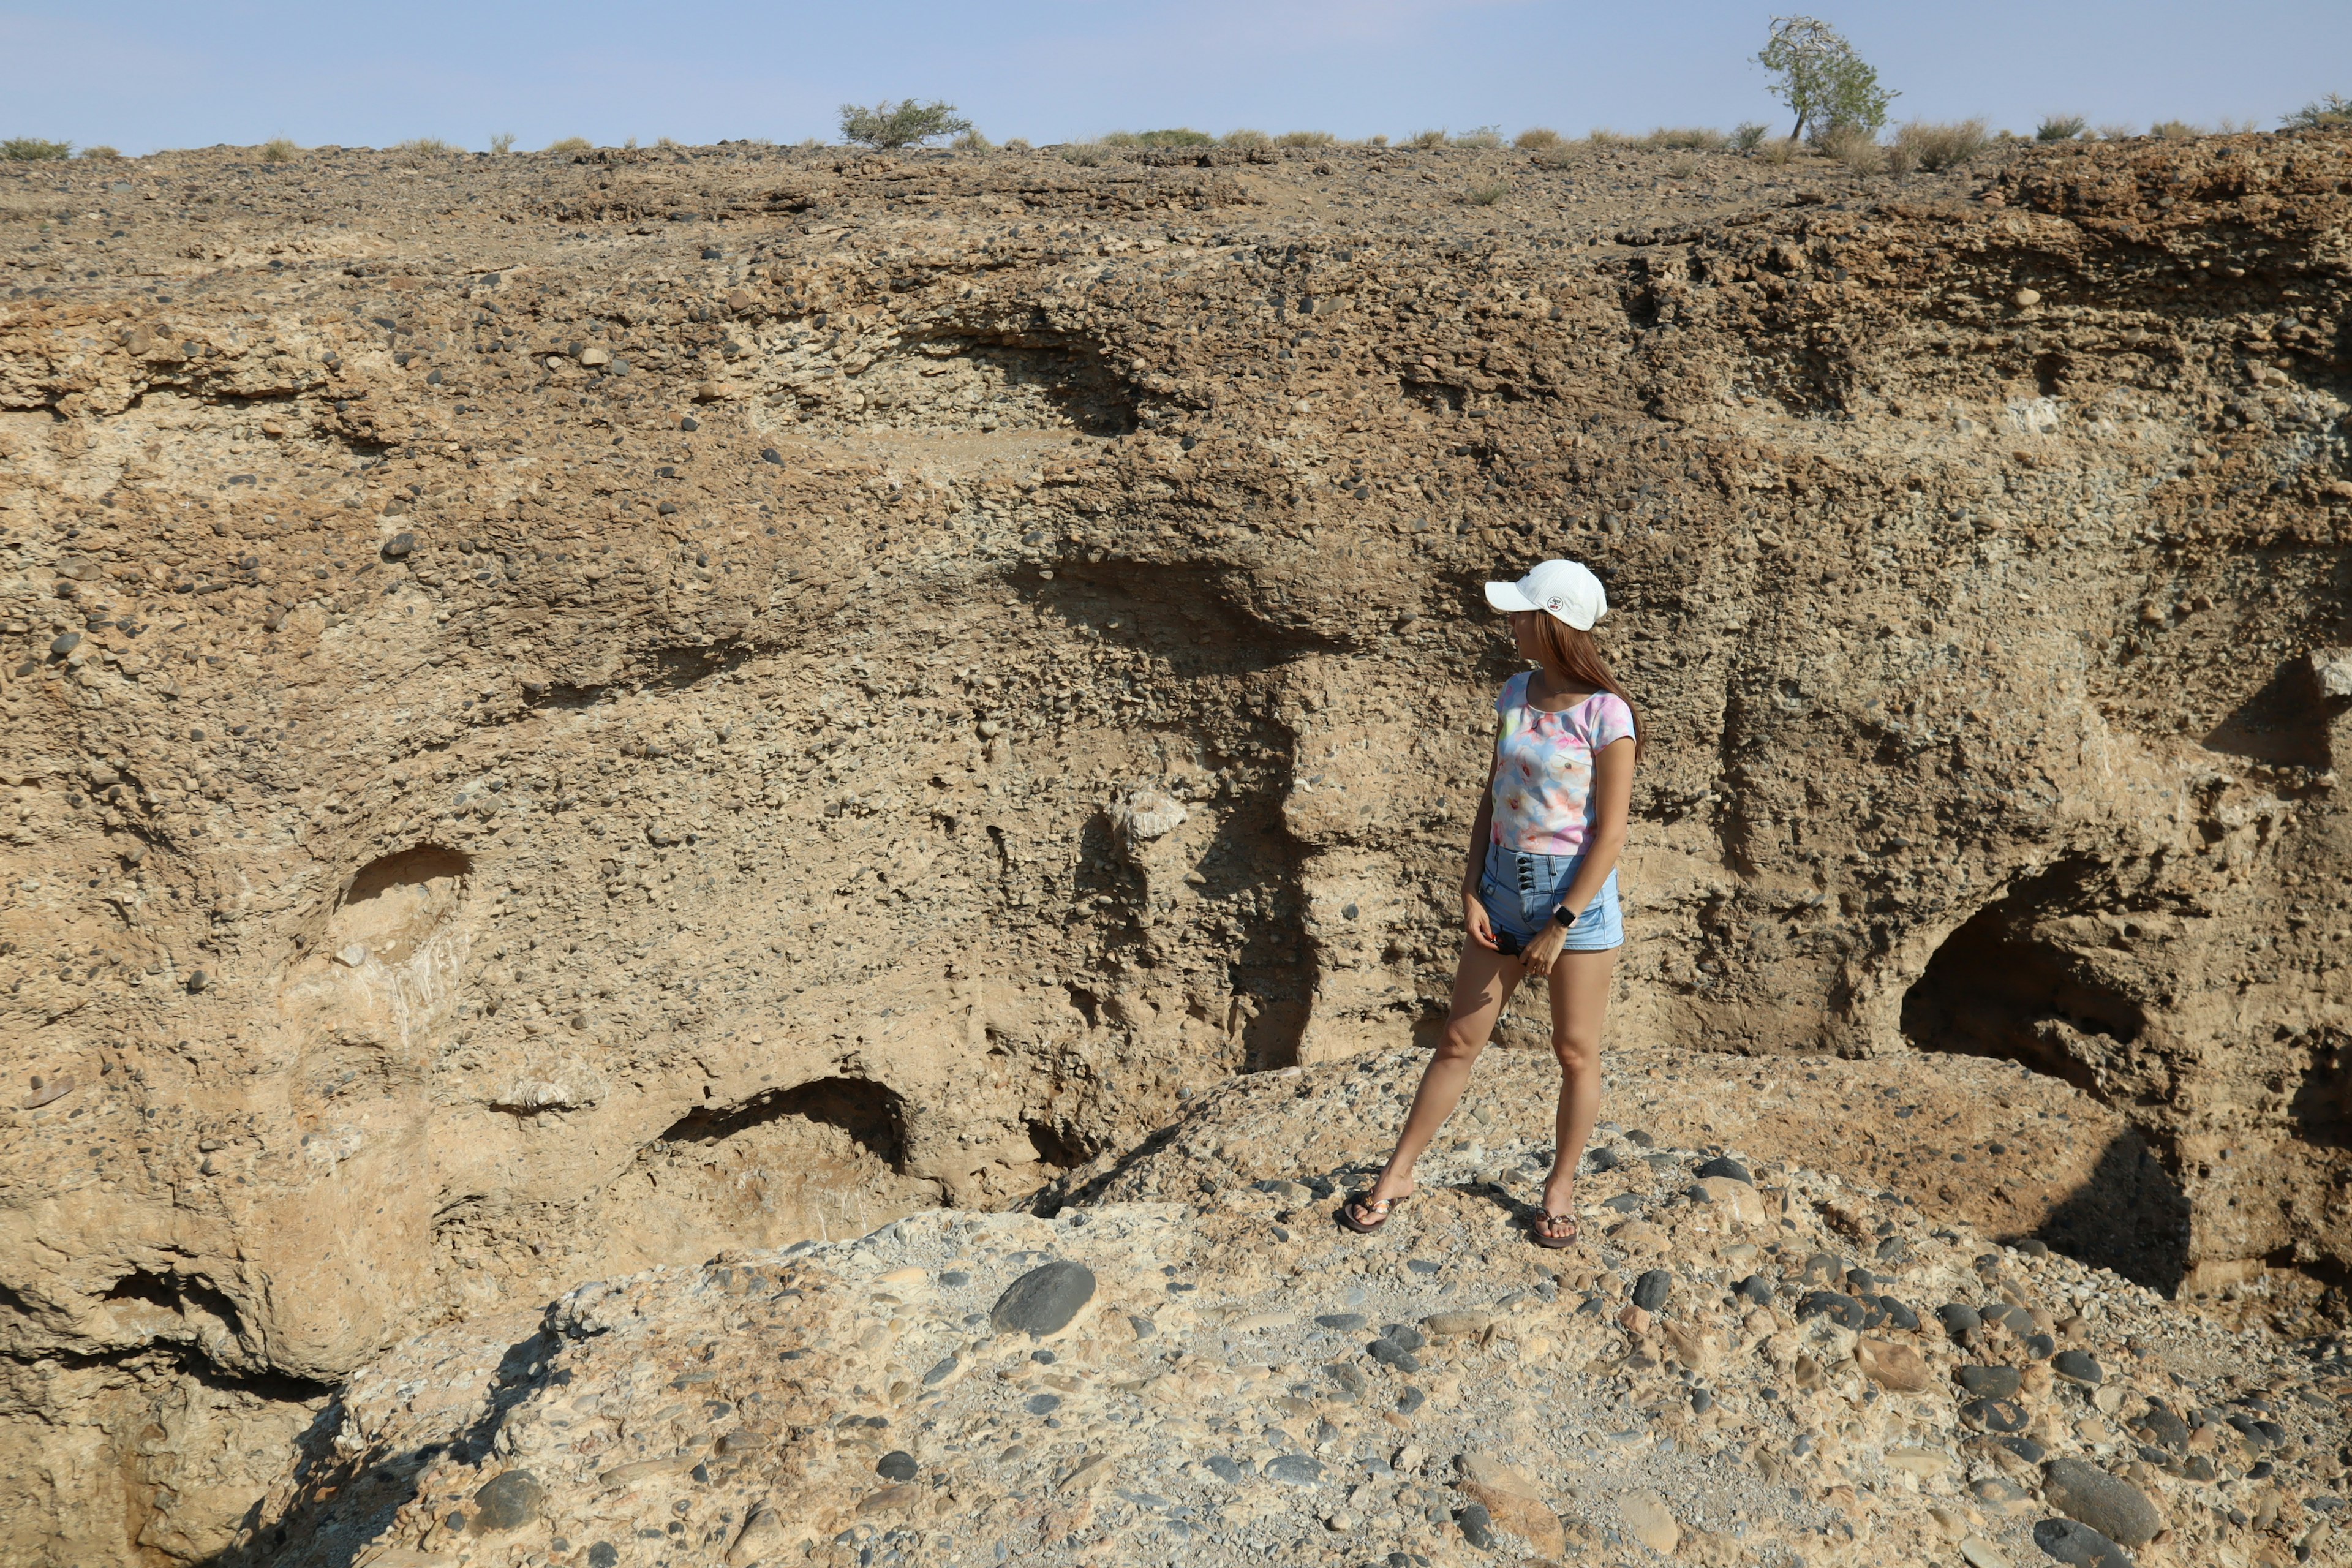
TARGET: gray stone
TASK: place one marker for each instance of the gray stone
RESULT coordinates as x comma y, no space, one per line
1044,1404
1651,1290
1225,1469
506,1502
1388,1352
1410,1399
1999,1416
1295,1469
1043,1300
1346,1322
1836,1306
1822,1269
398,546
2108,1504
2078,1545
1989,1382
1477,1526
1725,1166
2332,667
898,1465
1404,1336
1959,1322
1755,1289
2077,1366
65,644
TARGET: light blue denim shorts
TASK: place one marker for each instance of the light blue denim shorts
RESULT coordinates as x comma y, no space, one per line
1520,891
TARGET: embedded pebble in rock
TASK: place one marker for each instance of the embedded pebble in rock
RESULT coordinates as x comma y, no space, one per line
2076,1366
506,1502
1959,1321
1044,1301
1724,1165
1650,1291
2108,1503
1989,1382
2079,1546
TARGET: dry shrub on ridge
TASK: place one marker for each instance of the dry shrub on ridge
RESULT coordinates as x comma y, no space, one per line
1537,139
1935,145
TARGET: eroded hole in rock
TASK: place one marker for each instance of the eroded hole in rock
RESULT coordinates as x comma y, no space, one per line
2013,982
822,1160
2021,979
1056,1147
395,903
981,381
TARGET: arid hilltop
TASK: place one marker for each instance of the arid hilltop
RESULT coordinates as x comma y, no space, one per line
570,714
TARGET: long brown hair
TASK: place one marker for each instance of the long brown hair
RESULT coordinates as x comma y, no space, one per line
1572,659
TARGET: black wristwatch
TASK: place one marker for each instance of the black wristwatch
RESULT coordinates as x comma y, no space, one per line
1562,919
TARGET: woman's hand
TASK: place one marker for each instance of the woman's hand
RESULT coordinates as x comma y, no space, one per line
1536,958
1474,919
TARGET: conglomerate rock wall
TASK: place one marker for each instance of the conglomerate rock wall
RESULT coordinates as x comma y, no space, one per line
566,714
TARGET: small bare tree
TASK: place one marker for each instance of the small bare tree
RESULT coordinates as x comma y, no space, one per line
1822,79
906,123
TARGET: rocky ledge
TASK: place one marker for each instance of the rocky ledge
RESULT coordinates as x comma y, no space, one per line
1744,1363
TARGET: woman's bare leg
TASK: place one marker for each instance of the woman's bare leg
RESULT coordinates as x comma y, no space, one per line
1579,998
1482,984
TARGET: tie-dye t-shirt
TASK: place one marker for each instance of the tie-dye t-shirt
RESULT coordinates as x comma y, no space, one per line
1543,768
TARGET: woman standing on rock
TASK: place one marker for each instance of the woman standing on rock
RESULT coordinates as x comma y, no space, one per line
1541,893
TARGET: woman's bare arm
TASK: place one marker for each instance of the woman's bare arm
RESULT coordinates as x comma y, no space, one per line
1612,791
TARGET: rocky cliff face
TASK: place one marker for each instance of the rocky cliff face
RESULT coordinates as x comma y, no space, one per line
566,716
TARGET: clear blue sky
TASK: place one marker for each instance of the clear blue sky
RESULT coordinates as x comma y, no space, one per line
144,74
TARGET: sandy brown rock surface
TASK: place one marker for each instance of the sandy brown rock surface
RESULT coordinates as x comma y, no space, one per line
566,716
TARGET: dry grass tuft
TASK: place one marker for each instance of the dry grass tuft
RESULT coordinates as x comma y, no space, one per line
1749,135
279,150
1941,144
1247,139
1481,136
102,152
570,145
1306,139
2061,128
972,141
1780,150
503,142
1856,148
1686,139
2174,131
1177,137
422,149
1537,139
1084,154
1488,194
33,150
1424,141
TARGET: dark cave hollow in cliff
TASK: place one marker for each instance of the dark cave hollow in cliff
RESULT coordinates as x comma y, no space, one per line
2004,986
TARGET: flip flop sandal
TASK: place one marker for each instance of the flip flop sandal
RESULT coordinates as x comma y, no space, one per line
1535,1231
1380,1207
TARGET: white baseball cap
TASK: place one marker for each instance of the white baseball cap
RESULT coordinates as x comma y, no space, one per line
1565,590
